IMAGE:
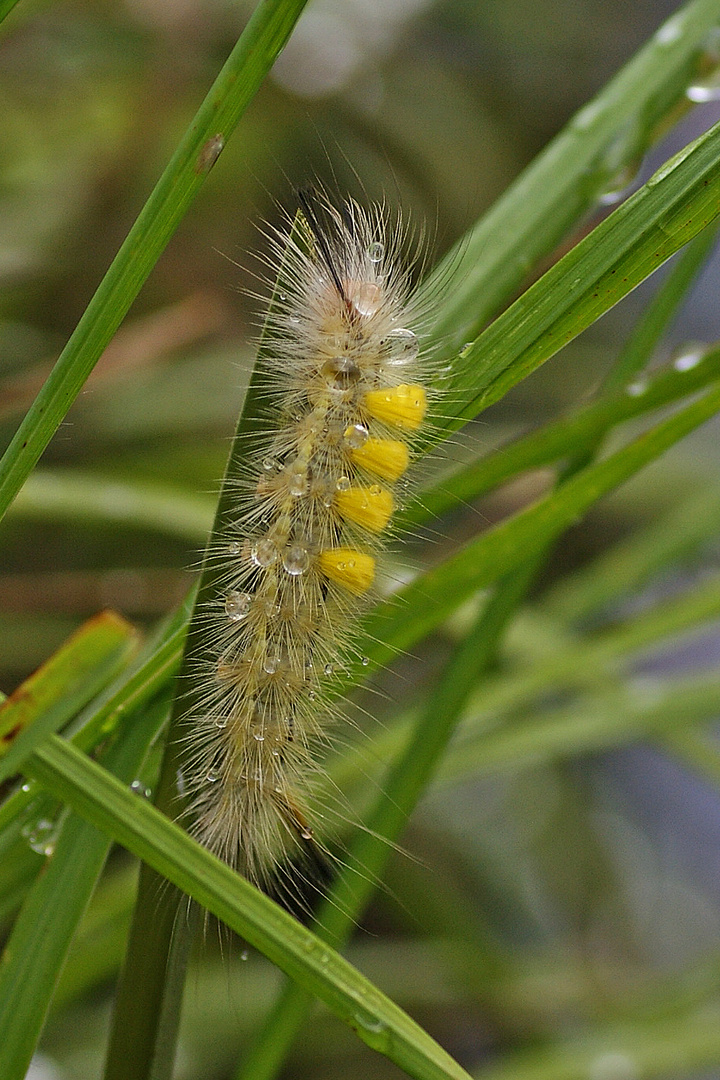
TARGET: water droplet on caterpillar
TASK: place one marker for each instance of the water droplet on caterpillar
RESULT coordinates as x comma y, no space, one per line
234,548
342,483
212,776
237,605
328,669
296,559
366,297
376,252
138,788
298,483
271,664
221,723
401,347
264,553
356,436
365,661
341,372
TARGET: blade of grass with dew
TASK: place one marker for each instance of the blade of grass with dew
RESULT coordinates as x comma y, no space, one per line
62,686
660,311
36,949
580,428
678,202
132,690
137,825
422,605
568,177
249,62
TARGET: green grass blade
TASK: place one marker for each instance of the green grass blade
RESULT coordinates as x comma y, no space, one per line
62,686
139,826
132,690
421,606
251,59
623,714
490,263
36,949
677,536
660,311
680,200
581,428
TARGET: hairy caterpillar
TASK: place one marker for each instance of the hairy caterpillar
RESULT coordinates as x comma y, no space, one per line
346,400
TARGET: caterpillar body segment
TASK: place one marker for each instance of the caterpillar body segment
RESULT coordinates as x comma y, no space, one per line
313,511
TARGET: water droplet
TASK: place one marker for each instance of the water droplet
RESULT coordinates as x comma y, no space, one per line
237,605
328,669
244,954
235,548
376,252
689,358
221,722
212,776
138,788
341,372
612,1066
306,833
270,464
311,695
298,483
342,483
401,347
365,661
296,559
669,31
365,297
40,835
356,436
26,788
258,736
617,186
369,1023
704,89
210,151
637,388
264,553
271,664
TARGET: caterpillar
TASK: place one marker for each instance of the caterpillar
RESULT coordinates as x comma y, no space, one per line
346,400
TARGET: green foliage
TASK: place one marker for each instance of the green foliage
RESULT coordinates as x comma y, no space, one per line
537,662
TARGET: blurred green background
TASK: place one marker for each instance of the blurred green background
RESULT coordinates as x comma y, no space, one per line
436,106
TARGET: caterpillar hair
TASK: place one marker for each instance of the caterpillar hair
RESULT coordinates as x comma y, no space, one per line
345,402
